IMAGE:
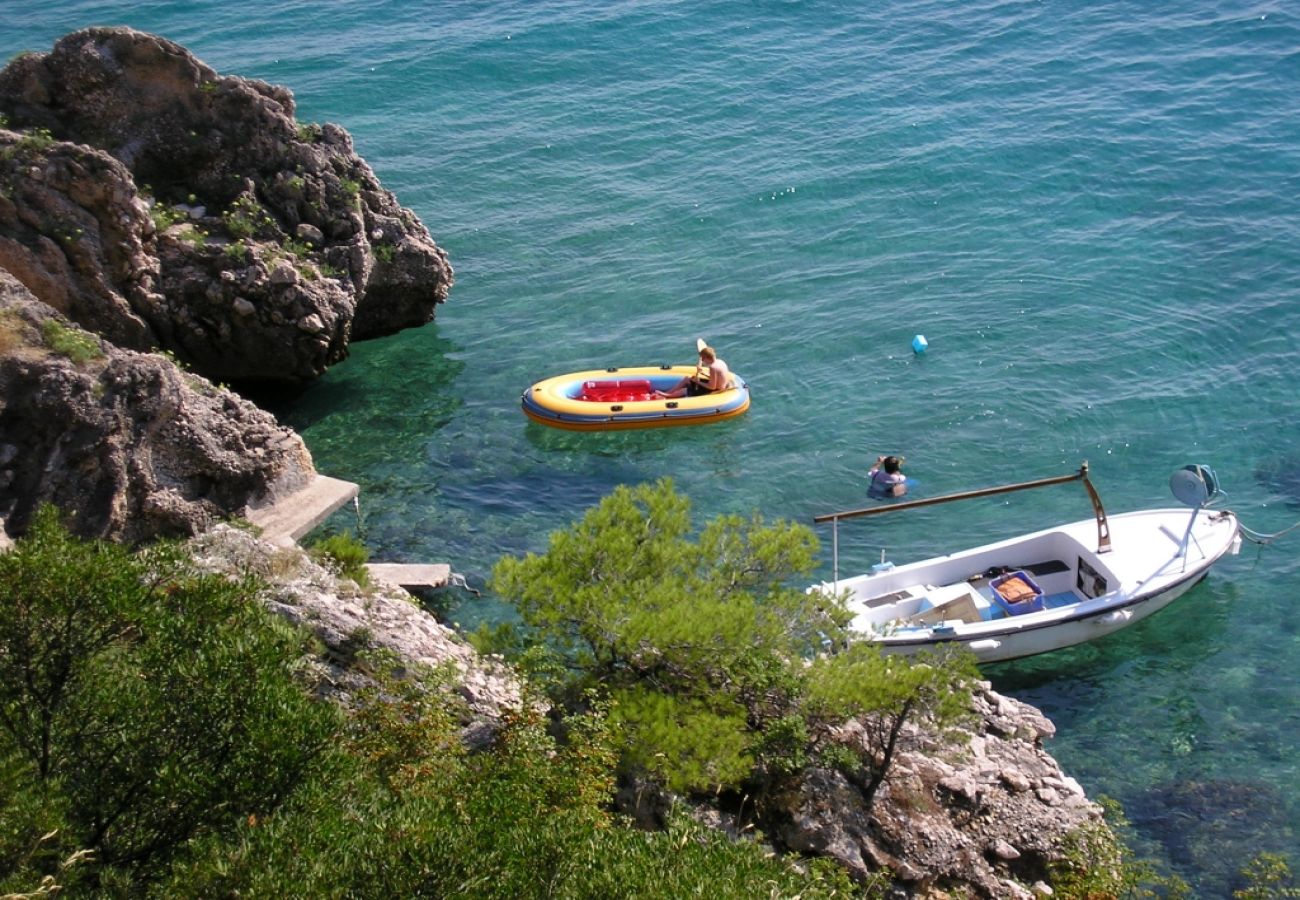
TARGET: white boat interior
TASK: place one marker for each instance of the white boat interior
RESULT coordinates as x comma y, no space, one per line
957,588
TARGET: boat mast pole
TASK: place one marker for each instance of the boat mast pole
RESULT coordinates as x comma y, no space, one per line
835,554
1103,527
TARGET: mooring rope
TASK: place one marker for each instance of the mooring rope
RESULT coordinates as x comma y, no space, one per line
1258,538
458,580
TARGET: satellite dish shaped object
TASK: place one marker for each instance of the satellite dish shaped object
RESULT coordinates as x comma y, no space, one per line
1194,485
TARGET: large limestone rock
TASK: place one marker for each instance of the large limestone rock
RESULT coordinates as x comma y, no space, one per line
126,441
348,619
166,206
982,813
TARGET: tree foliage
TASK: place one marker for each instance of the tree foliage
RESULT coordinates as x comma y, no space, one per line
414,815
145,702
711,652
155,742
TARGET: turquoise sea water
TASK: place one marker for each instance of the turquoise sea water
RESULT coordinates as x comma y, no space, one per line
1089,210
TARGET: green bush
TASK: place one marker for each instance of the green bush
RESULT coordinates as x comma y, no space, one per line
153,742
77,345
345,553
702,642
164,215
145,704
247,218
528,818
36,141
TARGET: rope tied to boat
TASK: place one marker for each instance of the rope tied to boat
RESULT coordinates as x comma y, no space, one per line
1256,537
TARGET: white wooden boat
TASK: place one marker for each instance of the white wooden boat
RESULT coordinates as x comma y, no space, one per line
1081,581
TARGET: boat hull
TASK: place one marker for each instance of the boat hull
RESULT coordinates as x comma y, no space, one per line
557,402
1157,556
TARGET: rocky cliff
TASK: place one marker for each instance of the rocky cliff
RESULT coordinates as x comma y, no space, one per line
348,619
132,445
982,812
165,206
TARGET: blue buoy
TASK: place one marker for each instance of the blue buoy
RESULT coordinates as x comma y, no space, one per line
919,343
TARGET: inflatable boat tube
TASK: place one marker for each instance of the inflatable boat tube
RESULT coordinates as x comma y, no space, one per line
610,399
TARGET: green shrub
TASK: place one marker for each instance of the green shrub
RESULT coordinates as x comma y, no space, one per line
194,236
164,215
155,743
149,704
528,818
702,643
297,248
36,141
77,345
346,553
247,218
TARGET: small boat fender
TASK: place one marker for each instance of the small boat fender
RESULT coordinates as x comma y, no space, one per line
1115,617
986,644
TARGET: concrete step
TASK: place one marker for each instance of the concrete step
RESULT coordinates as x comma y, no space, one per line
289,518
412,577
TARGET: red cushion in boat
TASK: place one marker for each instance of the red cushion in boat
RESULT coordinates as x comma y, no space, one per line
623,390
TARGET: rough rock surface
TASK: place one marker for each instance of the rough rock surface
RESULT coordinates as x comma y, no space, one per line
348,619
981,815
132,445
166,206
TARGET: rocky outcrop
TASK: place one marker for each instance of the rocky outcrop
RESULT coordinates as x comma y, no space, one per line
133,446
348,619
166,206
981,810
981,813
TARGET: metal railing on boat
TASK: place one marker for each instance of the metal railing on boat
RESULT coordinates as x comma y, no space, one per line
1103,527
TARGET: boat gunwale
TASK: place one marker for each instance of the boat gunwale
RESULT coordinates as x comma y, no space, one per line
1010,626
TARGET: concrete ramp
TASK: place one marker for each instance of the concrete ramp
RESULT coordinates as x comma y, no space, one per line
412,577
289,518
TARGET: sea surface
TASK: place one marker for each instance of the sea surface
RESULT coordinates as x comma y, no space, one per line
1090,211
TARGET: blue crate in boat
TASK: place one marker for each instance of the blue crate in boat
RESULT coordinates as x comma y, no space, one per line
1017,593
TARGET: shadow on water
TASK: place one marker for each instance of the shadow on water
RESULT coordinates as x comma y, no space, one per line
403,387
1281,476
1209,829
1174,639
622,442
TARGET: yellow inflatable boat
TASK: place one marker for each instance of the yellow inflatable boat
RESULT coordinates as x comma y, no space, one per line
607,399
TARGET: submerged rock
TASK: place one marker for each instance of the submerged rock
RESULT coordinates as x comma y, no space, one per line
166,206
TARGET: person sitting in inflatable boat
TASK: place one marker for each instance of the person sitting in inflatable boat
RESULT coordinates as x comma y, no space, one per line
711,376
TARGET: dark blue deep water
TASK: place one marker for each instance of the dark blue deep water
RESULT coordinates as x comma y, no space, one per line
1091,211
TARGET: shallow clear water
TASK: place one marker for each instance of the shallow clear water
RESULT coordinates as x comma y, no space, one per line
1091,214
